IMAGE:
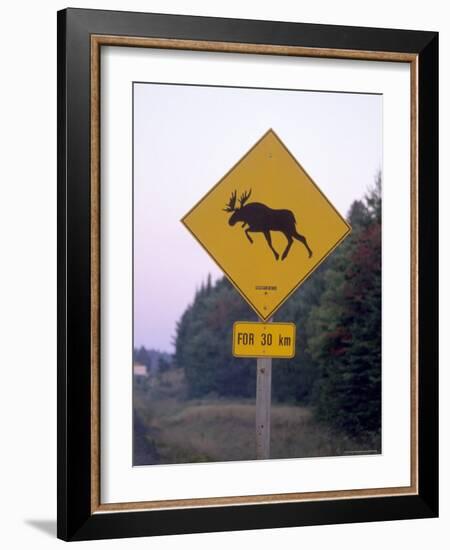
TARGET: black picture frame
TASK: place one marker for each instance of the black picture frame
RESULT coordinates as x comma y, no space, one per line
76,518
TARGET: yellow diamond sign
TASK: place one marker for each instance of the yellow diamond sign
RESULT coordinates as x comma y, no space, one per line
267,225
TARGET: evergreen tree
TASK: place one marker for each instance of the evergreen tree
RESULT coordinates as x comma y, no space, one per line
345,329
203,344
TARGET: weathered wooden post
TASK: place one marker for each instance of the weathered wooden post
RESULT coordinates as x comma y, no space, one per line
263,398
263,402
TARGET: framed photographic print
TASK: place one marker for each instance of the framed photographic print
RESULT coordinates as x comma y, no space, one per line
247,255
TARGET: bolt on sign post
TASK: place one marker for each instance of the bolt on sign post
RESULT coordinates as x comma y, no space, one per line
268,226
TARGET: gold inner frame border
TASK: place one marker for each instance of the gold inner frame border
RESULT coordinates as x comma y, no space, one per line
97,41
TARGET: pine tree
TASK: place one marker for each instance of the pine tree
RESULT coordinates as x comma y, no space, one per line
345,330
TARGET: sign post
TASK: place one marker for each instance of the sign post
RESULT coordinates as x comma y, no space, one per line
263,340
263,402
268,226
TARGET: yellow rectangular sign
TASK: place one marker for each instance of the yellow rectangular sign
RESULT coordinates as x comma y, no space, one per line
264,339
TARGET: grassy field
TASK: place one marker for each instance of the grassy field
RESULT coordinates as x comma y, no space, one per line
170,429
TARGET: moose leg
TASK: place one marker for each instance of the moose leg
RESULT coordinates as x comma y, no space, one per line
302,239
269,242
248,236
288,247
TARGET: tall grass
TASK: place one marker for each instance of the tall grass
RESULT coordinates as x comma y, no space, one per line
214,429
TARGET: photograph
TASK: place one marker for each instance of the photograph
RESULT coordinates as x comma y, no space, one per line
246,311
250,204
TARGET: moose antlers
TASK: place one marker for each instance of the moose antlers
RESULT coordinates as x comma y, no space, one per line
244,197
231,206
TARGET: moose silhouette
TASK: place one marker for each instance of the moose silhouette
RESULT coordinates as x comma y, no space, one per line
262,219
